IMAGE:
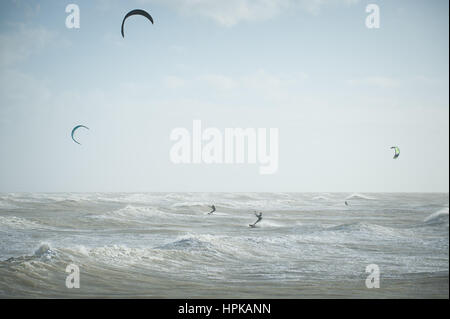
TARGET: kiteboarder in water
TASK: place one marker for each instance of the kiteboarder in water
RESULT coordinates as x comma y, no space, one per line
213,209
259,216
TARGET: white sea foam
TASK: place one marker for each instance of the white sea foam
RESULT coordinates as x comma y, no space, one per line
359,197
321,198
437,216
18,223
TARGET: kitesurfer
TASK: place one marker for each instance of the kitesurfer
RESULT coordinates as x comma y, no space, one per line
213,209
259,216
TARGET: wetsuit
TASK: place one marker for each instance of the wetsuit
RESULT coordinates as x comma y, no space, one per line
259,216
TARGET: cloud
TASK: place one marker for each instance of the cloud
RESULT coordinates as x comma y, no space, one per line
21,94
260,84
231,12
25,41
177,48
173,82
259,80
217,81
315,6
29,8
376,81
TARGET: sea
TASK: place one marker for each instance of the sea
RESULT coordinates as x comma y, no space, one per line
166,245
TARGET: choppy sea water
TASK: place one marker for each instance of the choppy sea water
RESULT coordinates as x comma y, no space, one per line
165,245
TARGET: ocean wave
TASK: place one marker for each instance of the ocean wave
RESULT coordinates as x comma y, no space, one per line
191,205
6,204
359,197
218,247
117,252
367,229
242,196
189,243
43,252
18,223
440,216
320,198
159,257
131,212
270,223
119,255
206,247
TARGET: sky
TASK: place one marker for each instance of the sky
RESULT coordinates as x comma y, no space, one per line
339,93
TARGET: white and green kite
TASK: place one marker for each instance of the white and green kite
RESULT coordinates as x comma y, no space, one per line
397,151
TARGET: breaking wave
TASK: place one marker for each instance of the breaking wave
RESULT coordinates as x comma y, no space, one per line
359,196
18,223
320,198
441,216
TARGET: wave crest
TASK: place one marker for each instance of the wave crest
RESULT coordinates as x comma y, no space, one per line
359,196
438,217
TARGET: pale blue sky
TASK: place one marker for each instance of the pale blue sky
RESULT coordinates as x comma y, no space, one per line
341,94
